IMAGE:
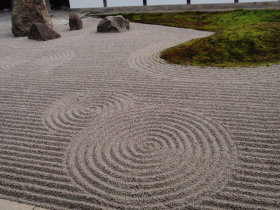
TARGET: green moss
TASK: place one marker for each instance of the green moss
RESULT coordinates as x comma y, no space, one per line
211,21
251,45
243,38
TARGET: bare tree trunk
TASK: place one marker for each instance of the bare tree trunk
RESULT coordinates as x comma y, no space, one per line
105,3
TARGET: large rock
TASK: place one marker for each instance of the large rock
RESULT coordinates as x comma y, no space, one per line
27,12
75,22
42,32
113,24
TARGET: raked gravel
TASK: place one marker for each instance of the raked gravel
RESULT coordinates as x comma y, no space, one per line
99,121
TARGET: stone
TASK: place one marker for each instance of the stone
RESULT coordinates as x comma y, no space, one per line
113,24
75,22
27,12
42,32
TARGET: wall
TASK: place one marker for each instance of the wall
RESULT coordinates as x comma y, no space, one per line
127,3
119,3
165,2
86,3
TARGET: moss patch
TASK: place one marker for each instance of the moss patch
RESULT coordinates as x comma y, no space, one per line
251,45
209,21
243,38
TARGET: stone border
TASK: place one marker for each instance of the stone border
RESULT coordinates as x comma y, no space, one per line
11,205
190,7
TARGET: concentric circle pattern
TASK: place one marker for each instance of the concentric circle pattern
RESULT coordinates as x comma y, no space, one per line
43,63
51,59
151,158
73,112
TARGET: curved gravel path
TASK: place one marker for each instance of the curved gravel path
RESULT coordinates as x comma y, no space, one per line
92,121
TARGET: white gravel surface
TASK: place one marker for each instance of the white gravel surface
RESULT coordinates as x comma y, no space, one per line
92,121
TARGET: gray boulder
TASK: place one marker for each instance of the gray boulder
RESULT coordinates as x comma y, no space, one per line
42,32
27,12
113,24
75,22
